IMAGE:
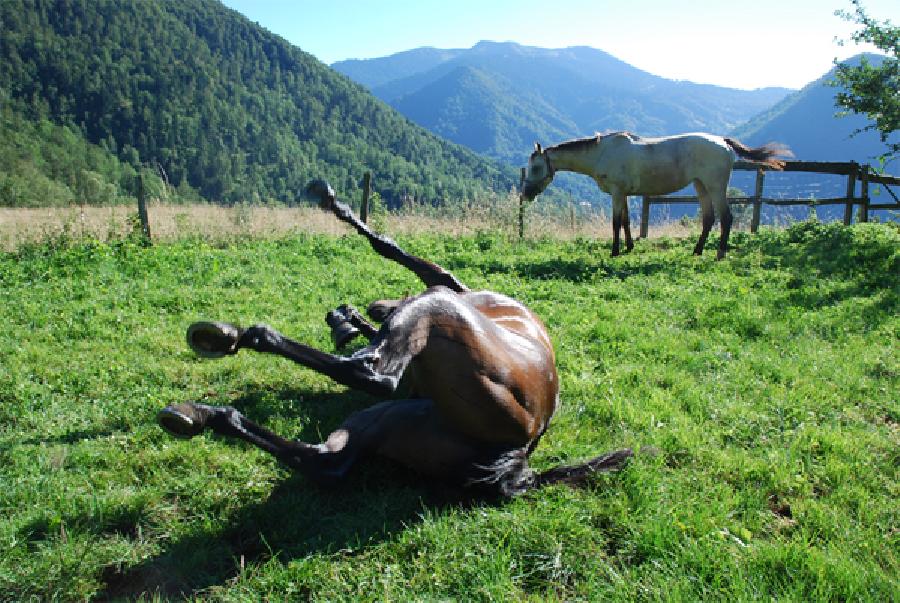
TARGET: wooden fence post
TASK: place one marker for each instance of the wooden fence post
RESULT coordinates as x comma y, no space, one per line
851,191
522,206
645,217
757,201
142,211
864,194
366,192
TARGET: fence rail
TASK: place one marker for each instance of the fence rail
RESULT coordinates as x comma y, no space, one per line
850,169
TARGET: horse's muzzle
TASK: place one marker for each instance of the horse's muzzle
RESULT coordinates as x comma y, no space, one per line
530,190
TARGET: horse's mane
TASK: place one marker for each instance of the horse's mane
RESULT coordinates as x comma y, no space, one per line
583,143
577,144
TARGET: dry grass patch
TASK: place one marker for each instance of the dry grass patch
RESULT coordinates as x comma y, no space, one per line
20,226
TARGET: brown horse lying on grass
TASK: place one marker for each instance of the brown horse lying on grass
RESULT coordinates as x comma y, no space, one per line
480,366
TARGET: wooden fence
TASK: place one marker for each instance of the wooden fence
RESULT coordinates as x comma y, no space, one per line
851,170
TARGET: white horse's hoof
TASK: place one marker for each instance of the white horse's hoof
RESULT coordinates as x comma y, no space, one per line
213,339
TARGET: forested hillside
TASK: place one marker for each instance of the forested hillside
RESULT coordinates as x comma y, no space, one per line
222,105
44,164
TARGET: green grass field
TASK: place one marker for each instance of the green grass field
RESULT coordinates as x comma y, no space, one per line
768,382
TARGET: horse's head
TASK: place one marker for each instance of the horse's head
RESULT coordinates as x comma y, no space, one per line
538,174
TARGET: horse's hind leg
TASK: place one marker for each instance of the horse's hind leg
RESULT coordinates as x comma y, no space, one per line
328,460
380,310
408,431
430,273
725,221
708,218
376,368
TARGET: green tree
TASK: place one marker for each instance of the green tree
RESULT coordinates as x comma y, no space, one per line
870,90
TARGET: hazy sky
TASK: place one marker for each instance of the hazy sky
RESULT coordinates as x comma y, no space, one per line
745,44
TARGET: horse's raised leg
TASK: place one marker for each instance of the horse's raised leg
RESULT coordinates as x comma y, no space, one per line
407,431
430,273
708,218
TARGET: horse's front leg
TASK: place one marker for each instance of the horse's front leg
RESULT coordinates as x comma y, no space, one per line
347,323
216,339
617,202
626,223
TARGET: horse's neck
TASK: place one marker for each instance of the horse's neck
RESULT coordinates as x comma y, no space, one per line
582,160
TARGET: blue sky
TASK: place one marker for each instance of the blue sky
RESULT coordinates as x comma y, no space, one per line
747,44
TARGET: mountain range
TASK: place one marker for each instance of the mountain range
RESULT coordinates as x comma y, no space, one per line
222,109
808,123
498,98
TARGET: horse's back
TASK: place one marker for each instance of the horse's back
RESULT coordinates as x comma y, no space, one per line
662,165
692,143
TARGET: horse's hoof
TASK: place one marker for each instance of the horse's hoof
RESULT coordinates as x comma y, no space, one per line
181,420
213,339
342,332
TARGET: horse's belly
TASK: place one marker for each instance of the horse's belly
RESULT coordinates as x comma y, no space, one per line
660,180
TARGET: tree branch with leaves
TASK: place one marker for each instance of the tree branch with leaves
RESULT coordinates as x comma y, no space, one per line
868,89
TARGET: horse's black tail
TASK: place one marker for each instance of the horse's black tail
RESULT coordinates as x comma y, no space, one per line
764,155
509,474
577,475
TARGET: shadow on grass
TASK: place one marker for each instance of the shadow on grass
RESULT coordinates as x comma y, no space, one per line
580,270
299,518
73,437
832,263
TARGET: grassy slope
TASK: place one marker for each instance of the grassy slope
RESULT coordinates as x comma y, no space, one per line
769,382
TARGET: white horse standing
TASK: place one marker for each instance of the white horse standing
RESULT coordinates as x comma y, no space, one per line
624,164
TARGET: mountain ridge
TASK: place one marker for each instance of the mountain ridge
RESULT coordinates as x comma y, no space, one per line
586,89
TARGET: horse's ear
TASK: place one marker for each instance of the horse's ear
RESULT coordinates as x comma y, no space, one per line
537,147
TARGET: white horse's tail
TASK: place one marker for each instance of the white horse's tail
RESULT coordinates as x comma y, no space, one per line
764,155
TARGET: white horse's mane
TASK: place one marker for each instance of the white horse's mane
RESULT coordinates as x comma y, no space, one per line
579,143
